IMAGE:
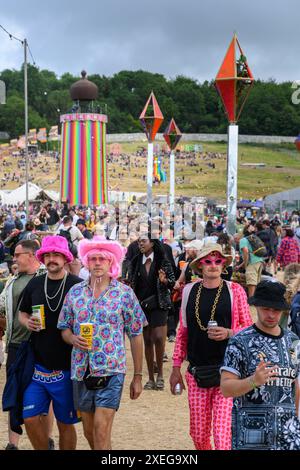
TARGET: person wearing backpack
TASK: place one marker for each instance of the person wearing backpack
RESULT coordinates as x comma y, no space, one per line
253,259
73,236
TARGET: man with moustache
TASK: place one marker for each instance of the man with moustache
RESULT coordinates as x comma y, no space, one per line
51,379
210,299
260,371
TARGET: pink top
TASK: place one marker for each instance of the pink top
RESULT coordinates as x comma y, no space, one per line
240,318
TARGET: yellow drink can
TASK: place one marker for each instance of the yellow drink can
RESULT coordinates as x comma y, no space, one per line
38,311
86,331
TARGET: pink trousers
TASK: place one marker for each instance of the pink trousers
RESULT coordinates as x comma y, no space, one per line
210,416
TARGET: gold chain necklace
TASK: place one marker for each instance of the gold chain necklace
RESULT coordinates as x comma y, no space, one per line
213,310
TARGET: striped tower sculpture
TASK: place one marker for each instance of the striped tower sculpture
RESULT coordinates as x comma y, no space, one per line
83,149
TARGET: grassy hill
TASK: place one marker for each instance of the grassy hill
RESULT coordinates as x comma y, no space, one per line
282,171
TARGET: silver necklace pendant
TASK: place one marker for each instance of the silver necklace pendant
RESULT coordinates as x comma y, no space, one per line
61,287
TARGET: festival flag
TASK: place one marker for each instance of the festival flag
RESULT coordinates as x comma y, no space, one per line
32,136
21,142
42,135
53,133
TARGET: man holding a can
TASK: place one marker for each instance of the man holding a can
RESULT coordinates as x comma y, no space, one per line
95,315
39,310
212,311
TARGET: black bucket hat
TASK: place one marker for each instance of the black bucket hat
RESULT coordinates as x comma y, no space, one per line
269,293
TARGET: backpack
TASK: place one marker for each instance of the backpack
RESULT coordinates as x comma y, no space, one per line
67,235
258,246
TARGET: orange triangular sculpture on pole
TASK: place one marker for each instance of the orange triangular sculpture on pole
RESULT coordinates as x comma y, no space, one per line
234,81
151,118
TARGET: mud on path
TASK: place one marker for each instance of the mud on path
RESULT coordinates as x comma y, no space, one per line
157,420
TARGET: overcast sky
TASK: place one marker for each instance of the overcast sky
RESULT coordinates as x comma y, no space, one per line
179,37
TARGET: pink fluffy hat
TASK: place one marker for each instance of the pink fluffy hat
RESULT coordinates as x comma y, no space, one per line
98,244
54,244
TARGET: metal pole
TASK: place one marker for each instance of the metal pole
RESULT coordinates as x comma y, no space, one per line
172,183
26,127
232,165
149,177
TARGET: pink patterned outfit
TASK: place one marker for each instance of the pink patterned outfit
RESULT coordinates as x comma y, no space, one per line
208,407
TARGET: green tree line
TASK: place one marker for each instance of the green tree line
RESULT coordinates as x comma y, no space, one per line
196,107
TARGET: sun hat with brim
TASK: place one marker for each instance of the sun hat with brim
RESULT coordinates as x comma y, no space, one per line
54,244
194,245
207,250
269,293
99,243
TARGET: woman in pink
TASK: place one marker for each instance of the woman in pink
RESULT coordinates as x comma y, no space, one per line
288,251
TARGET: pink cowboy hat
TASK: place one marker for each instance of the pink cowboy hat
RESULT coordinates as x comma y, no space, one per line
54,244
99,243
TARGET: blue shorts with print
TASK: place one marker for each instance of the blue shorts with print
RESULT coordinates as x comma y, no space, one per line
46,386
109,397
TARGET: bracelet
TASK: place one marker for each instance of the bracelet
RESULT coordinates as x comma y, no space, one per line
228,333
252,383
138,373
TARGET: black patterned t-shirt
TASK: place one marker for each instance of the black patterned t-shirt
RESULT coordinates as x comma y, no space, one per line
264,418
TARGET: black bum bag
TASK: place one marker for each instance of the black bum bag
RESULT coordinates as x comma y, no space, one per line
95,383
206,376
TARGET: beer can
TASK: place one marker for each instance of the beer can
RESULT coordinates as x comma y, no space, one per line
38,311
212,324
178,389
86,331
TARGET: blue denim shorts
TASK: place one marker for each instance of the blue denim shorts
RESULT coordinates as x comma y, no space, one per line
46,386
109,397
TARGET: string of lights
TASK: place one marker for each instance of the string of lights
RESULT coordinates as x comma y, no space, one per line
24,42
11,36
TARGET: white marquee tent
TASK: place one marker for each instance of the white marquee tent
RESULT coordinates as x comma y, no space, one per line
18,195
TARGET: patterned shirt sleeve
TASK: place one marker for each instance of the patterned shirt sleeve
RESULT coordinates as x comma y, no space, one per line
234,359
66,317
134,317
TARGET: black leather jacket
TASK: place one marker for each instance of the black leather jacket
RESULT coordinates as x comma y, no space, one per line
163,290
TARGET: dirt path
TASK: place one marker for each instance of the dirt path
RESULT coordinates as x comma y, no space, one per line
157,420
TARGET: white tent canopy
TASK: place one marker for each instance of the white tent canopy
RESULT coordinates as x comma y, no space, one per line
18,195
283,199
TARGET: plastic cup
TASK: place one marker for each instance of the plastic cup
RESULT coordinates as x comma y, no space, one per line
182,265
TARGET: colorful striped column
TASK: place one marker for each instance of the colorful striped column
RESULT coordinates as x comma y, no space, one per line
83,152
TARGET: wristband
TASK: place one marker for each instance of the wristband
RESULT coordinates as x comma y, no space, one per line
252,383
138,373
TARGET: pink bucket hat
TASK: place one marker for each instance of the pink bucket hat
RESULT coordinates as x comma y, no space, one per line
54,244
99,243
